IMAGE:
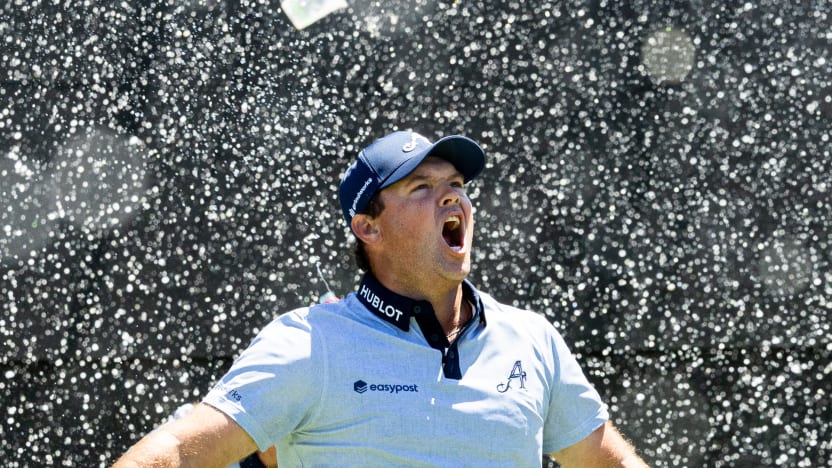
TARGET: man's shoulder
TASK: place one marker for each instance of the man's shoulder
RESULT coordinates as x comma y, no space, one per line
505,315
294,333
500,310
318,317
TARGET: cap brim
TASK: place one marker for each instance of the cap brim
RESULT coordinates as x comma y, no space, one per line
464,153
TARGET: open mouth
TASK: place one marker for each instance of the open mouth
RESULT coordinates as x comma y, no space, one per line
452,232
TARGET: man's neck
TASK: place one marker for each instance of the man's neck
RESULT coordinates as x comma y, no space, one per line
446,298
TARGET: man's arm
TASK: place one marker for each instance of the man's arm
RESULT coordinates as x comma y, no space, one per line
604,448
205,437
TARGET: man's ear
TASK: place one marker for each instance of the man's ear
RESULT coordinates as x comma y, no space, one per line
365,228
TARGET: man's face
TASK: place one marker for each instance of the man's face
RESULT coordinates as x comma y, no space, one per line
427,225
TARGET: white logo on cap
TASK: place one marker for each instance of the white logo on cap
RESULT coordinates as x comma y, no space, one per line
358,195
414,142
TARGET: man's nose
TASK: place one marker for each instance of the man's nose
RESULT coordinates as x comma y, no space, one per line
450,197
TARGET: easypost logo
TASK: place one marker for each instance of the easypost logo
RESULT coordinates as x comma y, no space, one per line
361,386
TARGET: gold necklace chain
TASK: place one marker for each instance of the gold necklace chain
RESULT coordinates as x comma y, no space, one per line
455,332
458,329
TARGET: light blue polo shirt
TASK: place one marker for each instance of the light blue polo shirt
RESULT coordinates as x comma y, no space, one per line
371,381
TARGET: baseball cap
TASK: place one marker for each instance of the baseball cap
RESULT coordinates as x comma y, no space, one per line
391,158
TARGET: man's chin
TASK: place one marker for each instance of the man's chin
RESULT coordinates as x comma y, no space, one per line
459,271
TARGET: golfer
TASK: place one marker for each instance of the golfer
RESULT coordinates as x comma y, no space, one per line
416,367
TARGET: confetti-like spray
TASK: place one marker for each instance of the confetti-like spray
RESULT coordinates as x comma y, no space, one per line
328,296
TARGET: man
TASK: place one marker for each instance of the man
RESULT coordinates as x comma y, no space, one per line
417,367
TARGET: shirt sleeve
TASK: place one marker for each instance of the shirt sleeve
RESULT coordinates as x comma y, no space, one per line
575,407
271,387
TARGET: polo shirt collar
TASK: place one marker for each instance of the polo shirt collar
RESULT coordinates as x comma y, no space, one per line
397,309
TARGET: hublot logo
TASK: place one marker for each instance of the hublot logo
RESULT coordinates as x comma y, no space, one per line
373,299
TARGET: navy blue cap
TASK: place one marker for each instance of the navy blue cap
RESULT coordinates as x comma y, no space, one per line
391,158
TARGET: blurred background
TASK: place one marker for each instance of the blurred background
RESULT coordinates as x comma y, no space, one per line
658,186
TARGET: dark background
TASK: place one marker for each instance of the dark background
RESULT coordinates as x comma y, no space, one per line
658,186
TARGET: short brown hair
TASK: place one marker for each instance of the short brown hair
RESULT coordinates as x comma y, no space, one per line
374,208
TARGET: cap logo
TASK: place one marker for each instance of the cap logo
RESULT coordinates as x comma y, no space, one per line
358,196
414,142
